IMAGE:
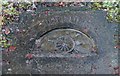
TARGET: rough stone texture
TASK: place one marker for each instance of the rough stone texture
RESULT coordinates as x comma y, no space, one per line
99,29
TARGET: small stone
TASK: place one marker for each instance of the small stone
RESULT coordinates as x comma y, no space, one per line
40,23
9,69
77,43
27,61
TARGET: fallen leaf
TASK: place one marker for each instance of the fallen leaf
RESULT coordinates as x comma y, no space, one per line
29,56
7,31
116,68
117,46
12,48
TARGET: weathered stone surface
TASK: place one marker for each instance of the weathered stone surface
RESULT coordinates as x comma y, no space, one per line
92,23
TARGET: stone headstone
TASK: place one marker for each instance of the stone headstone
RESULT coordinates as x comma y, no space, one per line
63,42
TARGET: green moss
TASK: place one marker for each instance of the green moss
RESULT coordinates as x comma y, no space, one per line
112,8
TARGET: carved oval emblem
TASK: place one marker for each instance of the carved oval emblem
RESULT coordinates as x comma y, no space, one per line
63,41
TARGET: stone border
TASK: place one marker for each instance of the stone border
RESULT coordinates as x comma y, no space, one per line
29,1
